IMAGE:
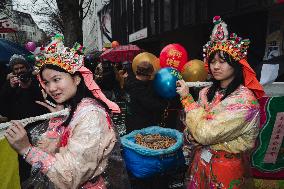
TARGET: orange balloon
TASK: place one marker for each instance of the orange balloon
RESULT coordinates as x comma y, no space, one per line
194,70
146,57
114,44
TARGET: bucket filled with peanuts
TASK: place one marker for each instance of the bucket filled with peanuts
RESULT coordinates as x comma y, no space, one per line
152,150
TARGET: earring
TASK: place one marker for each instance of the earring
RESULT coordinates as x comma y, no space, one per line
78,81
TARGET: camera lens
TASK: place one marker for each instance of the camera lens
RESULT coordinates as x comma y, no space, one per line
25,77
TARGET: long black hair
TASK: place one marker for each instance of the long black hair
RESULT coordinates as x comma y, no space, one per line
82,92
235,83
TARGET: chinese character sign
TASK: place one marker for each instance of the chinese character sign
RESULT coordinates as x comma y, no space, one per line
268,156
173,55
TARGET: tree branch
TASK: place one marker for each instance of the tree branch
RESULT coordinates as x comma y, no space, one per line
81,4
88,8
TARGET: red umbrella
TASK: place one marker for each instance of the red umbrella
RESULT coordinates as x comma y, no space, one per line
121,53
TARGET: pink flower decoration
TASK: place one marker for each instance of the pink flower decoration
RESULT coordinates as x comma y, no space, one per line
238,39
216,19
233,35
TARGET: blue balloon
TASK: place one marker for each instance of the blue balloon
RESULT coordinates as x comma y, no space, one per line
165,82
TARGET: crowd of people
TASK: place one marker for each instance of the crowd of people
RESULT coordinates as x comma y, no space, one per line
83,150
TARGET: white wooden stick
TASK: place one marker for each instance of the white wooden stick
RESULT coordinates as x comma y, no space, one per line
26,121
198,84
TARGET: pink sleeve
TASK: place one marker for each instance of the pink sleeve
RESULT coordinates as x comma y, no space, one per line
37,157
85,155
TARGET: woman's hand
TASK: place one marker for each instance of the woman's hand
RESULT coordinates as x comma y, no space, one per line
17,137
189,138
124,75
51,107
182,89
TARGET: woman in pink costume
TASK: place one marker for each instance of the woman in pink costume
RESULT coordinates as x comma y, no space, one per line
73,152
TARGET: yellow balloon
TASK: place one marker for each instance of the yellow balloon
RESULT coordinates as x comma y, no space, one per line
146,57
194,70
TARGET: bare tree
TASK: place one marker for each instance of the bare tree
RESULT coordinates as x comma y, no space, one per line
72,13
2,4
5,11
64,16
51,17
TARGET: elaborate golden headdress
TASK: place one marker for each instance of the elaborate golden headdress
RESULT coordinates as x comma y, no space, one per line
71,60
237,48
57,54
234,45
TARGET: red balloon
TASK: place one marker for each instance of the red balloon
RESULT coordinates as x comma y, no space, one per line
173,55
114,44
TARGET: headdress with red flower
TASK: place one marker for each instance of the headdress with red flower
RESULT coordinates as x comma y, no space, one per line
71,60
237,48
57,54
233,45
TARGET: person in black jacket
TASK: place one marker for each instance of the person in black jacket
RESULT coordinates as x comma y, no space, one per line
145,107
105,78
3,73
17,98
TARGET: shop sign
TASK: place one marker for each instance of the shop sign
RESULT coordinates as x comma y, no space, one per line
141,34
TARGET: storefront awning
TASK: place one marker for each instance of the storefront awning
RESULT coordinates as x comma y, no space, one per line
7,30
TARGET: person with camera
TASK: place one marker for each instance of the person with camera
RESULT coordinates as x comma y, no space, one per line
17,98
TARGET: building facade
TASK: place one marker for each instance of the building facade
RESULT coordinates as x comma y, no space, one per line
97,26
7,28
18,26
189,22
152,24
27,29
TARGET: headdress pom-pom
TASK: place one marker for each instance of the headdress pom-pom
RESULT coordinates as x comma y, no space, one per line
58,37
42,48
233,36
217,20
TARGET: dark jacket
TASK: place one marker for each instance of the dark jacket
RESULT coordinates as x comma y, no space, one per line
145,107
3,74
108,81
17,103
